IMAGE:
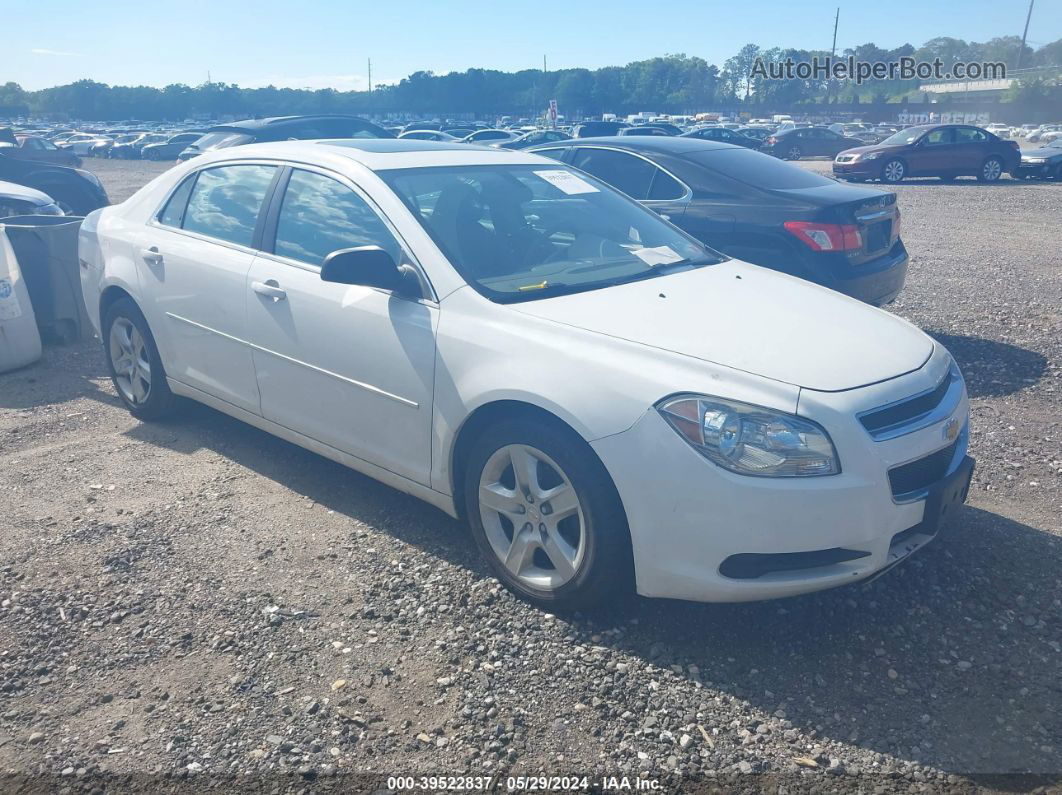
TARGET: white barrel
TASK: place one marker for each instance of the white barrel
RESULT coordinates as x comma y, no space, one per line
20,342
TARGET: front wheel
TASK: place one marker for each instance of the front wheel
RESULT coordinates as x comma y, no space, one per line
893,171
546,515
991,170
134,363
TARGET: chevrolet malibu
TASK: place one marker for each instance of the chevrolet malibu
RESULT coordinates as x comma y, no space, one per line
606,401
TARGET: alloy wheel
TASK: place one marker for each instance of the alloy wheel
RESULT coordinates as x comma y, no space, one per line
793,153
992,170
893,171
532,517
130,360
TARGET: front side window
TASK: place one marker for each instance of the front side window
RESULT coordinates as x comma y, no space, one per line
225,202
939,137
521,233
320,215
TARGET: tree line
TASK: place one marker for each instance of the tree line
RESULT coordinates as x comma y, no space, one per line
673,83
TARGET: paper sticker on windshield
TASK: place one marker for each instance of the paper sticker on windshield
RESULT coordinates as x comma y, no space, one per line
567,181
658,255
9,306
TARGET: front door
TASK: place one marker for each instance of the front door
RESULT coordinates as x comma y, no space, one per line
934,154
349,366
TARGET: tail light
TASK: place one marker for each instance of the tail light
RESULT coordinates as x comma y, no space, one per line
772,141
826,237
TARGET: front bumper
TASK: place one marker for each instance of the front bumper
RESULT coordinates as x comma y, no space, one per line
858,169
691,521
1036,170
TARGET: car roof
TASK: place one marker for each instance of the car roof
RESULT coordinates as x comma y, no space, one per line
377,154
674,144
261,124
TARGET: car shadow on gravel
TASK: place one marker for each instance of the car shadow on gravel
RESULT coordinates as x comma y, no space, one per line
991,368
950,660
64,373
330,485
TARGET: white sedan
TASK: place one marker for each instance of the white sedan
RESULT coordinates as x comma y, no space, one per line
606,401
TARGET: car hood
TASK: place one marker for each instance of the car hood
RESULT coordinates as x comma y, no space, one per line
860,150
12,191
752,319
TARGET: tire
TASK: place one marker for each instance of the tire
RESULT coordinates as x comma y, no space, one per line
893,171
575,562
141,386
991,170
793,153
152,155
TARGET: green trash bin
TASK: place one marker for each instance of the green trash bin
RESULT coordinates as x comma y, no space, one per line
46,248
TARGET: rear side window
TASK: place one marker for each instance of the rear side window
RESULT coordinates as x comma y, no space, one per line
225,202
320,215
556,154
758,169
969,135
173,213
627,173
665,187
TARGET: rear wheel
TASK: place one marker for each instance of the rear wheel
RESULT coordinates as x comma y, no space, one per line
893,171
991,170
793,153
546,515
134,363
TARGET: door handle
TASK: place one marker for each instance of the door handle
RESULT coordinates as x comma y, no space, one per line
270,289
152,256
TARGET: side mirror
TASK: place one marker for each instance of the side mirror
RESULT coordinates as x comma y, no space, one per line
370,266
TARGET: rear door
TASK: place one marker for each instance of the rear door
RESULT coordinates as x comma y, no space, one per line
971,148
350,366
193,259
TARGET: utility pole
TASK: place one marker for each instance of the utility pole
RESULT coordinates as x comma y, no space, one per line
1021,52
833,54
370,77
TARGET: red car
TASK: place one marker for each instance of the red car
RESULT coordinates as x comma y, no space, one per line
931,150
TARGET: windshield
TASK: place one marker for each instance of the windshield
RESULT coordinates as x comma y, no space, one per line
519,233
903,137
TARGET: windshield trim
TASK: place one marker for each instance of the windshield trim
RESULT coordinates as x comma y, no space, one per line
712,257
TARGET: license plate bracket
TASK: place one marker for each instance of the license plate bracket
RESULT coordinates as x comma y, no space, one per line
947,495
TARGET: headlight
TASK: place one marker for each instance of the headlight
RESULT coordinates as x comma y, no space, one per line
870,156
751,440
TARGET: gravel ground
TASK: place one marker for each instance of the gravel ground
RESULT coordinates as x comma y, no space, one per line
202,601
